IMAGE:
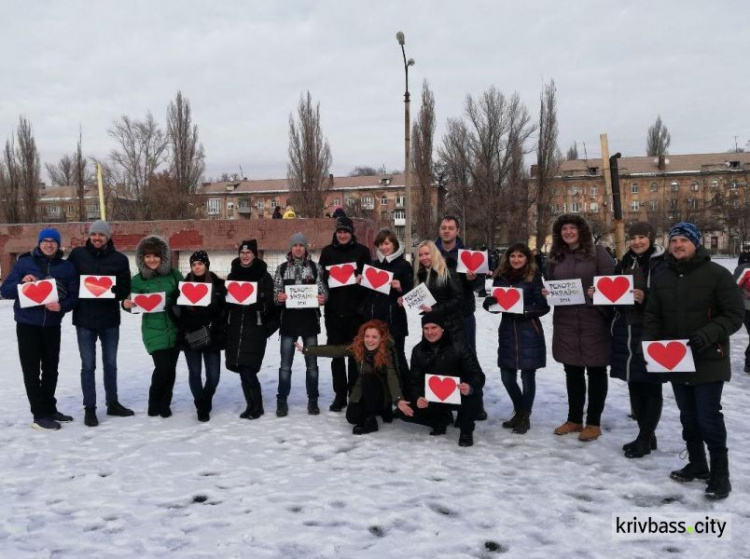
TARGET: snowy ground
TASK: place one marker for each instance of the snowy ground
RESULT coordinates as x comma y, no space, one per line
304,486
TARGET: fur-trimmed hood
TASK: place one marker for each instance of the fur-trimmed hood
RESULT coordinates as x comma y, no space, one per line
585,238
164,252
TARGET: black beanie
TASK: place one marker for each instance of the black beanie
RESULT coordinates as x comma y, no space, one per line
200,256
345,224
251,245
434,318
643,228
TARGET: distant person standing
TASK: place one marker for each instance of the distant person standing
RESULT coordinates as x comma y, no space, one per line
289,213
277,213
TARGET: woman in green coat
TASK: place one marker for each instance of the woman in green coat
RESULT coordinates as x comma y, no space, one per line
156,275
377,387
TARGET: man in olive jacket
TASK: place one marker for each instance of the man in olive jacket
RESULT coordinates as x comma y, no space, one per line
696,299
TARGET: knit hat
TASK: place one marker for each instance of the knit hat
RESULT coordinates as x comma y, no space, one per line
642,228
345,224
200,256
100,226
251,245
685,229
49,233
297,239
433,318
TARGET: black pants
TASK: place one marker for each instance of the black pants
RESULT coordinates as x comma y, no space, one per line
747,349
646,402
39,351
438,415
372,402
250,384
341,331
162,380
403,364
575,381
700,415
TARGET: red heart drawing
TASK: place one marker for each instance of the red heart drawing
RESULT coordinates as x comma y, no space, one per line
668,356
97,286
506,298
442,388
194,292
341,273
472,260
147,302
613,289
240,291
376,277
37,292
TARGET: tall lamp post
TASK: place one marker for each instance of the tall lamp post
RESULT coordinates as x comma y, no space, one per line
407,147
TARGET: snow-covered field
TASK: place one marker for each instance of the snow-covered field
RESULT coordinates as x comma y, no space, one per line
304,486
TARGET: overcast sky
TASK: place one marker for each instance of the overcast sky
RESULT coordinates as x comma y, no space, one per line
244,64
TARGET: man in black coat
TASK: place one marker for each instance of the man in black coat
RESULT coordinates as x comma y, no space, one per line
439,354
100,318
696,299
341,317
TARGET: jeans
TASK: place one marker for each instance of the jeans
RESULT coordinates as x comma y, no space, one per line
202,394
287,358
522,401
575,381
39,351
700,414
109,337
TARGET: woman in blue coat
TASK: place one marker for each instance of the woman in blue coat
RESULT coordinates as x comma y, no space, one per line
521,343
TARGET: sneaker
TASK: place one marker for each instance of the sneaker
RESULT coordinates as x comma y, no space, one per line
690,472
312,406
46,424
282,409
569,427
61,417
338,404
590,433
89,417
466,439
118,410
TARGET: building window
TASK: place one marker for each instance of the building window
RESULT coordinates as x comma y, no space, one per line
384,200
260,205
573,190
733,185
383,215
673,204
675,186
336,202
653,205
575,207
554,208
274,203
399,214
594,207
367,202
53,211
634,188
714,184
693,204
654,186
400,201
71,209
594,190
695,186
635,205
212,206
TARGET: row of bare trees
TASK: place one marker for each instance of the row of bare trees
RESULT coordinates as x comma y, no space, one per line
19,175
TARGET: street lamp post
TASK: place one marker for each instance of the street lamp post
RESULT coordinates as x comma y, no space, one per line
407,148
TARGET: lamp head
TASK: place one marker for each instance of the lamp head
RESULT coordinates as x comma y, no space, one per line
410,62
400,38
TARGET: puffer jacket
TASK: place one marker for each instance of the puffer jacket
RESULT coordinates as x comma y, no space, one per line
468,304
521,344
379,306
448,296
344,301
214,316
696,297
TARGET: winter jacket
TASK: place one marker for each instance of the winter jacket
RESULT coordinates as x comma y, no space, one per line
448,296
249,326
344,301
387,375
384,307
448,356
744,289
468,304
42,267
627,324
106,261
299,322
581,334
696,297
521,344
158,330
214,316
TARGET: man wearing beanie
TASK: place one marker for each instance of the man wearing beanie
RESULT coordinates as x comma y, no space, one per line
38,328
299,269
696,299
99,319
439,354
342,319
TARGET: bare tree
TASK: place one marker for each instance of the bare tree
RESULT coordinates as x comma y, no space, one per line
422,137
548,161
309,158
81,177
572,152
455,166
29,169
187,158
657,139
518,199
363,171
142,150
61,173
10,184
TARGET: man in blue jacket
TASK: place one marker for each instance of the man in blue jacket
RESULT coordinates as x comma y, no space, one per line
38,328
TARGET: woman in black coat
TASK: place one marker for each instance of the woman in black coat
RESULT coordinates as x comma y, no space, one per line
521,344
198,320
432,270
249,326
388,308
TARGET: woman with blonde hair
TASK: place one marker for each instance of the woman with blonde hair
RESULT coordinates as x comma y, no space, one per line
431,269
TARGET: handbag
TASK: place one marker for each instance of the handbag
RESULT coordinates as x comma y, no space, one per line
198,339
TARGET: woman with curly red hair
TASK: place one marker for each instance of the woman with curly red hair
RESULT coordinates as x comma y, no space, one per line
377,386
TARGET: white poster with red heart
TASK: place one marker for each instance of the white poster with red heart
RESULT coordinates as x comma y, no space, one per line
96,287
472,261
442,389
668,356
613,290
509,299
242,292
194,293
148,302
417,297
376,279
37,293
340,275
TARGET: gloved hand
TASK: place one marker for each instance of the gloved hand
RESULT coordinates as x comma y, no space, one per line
696,342
62,291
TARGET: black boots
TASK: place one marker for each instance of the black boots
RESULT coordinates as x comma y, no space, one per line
639,447
370,425
118,410
312,406
511,423
466,438
282,408
697,468
89,417
718,481
339,403
254,400
631,444
523,424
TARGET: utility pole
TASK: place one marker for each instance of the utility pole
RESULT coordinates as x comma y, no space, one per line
617,205
607,183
